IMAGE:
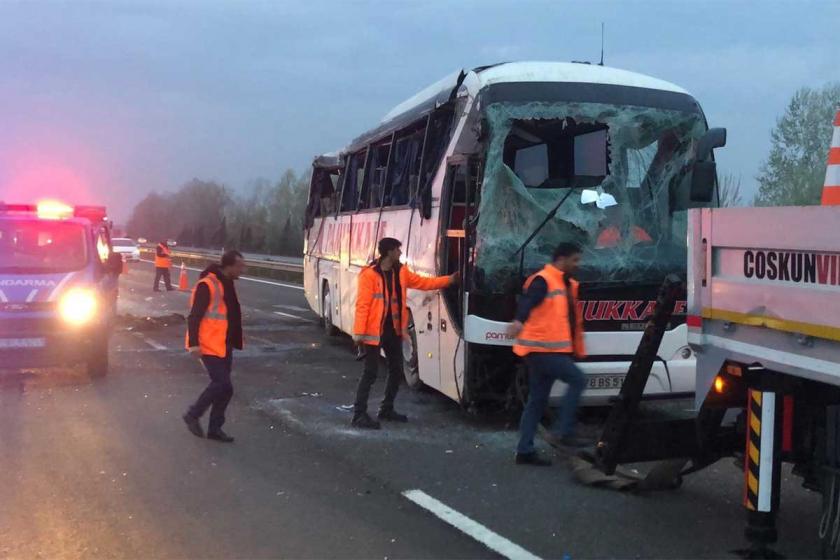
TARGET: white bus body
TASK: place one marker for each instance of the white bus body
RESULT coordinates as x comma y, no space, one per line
465,170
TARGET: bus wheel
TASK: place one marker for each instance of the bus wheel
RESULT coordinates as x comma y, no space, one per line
329,328
519,387
411,366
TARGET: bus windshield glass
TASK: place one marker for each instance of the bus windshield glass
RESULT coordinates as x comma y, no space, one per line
41,246
539,150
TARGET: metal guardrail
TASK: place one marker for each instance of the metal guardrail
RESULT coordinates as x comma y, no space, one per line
250,260
269,264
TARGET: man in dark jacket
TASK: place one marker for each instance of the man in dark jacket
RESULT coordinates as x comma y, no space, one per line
214,329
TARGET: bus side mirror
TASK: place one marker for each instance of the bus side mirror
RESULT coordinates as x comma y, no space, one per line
703,181
704,172
714,138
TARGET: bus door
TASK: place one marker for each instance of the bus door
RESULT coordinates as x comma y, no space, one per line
458,210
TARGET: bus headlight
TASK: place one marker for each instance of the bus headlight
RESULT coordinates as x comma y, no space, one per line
78,306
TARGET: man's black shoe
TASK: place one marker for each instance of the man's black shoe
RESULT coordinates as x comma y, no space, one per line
391,416
364,420
155,290
576,442
193,425
532,459
170,289
219,435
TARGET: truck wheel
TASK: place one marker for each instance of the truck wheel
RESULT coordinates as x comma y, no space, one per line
329,328
411,365
97,362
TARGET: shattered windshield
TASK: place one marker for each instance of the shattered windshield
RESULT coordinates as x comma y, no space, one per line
540,150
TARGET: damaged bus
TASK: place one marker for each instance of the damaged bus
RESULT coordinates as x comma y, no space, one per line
485,172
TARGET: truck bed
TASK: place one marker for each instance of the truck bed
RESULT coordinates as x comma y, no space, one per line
764,289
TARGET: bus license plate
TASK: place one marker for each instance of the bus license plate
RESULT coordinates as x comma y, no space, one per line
605,381
23,342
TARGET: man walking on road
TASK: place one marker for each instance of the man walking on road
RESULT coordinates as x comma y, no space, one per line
382,322
549,333
163,262
214,330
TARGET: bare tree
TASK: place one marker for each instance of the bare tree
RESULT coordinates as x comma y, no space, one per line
729,187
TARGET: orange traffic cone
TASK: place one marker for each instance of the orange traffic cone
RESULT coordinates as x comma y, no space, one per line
183,282
831,187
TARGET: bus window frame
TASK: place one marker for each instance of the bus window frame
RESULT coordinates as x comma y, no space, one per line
350,157
401,134
366,184
414,195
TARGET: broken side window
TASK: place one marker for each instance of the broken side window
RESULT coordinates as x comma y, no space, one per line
353,181
437,139
404,171
374,183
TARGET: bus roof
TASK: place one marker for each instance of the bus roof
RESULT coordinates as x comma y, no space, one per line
477,79
518,72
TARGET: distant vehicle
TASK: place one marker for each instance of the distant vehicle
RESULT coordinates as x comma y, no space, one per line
171,242
127,248
484,173
58,286
142,241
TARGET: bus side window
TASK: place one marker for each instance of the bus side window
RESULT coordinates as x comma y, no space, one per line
404,170
375,178
437,140
353,181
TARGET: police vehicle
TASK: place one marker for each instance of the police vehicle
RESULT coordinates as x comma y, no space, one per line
58,286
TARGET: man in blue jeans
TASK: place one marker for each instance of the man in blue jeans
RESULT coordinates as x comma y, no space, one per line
549,335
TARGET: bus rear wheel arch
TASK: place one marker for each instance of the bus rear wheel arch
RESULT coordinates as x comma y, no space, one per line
411,365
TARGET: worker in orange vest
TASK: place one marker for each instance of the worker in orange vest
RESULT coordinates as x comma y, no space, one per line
163,262
382,323
214,330
548,334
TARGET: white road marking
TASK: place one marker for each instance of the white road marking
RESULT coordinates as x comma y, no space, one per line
477,531
293,308
259,339
31,297
292,316
150,342
3,297
248,278
281,284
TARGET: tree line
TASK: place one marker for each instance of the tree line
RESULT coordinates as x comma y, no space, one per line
266,218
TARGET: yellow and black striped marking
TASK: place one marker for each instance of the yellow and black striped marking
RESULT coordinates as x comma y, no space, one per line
752,460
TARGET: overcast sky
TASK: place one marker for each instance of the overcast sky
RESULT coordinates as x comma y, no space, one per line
104,102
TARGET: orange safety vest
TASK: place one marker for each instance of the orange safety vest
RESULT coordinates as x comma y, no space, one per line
163,262
371,302
212,331
611,237
548,328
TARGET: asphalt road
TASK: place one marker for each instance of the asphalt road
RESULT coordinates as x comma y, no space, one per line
106,469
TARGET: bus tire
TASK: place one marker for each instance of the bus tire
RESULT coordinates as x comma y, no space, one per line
97,361
519,387
411,366
326,305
